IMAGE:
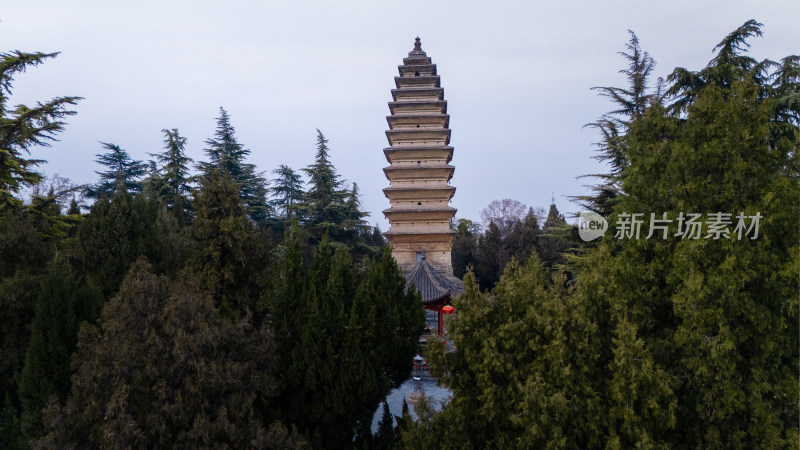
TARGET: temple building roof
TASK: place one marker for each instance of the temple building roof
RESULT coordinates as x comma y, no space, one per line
431,284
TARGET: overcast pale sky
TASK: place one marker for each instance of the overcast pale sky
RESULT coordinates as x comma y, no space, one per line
517,77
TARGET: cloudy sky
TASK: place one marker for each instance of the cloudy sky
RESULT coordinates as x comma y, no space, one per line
517,77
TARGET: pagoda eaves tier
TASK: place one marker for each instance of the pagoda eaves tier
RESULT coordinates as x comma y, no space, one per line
419,170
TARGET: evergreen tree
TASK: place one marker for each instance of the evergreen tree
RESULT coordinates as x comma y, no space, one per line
353,224
314,360
123,173
164,371
630,103
174,172
524,237
377,237
554,240
715,314
154,185
399,317
118,231
28,240
62,304
342,348
227,154
519,375
664,342
465,247
11,437
74,209
324,205
23,127
287,192
385,437
175,163
490,257
226,250
286,309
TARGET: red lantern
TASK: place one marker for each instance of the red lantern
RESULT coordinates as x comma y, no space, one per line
447,309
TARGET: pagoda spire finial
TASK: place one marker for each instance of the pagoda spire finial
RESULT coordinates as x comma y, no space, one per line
417,45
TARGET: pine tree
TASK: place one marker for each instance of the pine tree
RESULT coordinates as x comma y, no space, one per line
174,171
123,173
23,127
287,192
324,205
631,103
227,154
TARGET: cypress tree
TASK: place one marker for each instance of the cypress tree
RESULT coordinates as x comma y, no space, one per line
490,257
385,437
62,304
28,241
225,247
554,241
524,237
11,436
465,247
664,342
119,230
164,372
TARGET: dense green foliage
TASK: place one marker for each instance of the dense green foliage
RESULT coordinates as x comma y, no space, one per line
165,370
63,303
661,342
489,252
343,344
212,311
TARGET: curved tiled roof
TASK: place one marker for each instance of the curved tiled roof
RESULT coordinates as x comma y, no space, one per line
431,284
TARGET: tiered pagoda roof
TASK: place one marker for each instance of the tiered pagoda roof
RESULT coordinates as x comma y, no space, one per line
419,171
